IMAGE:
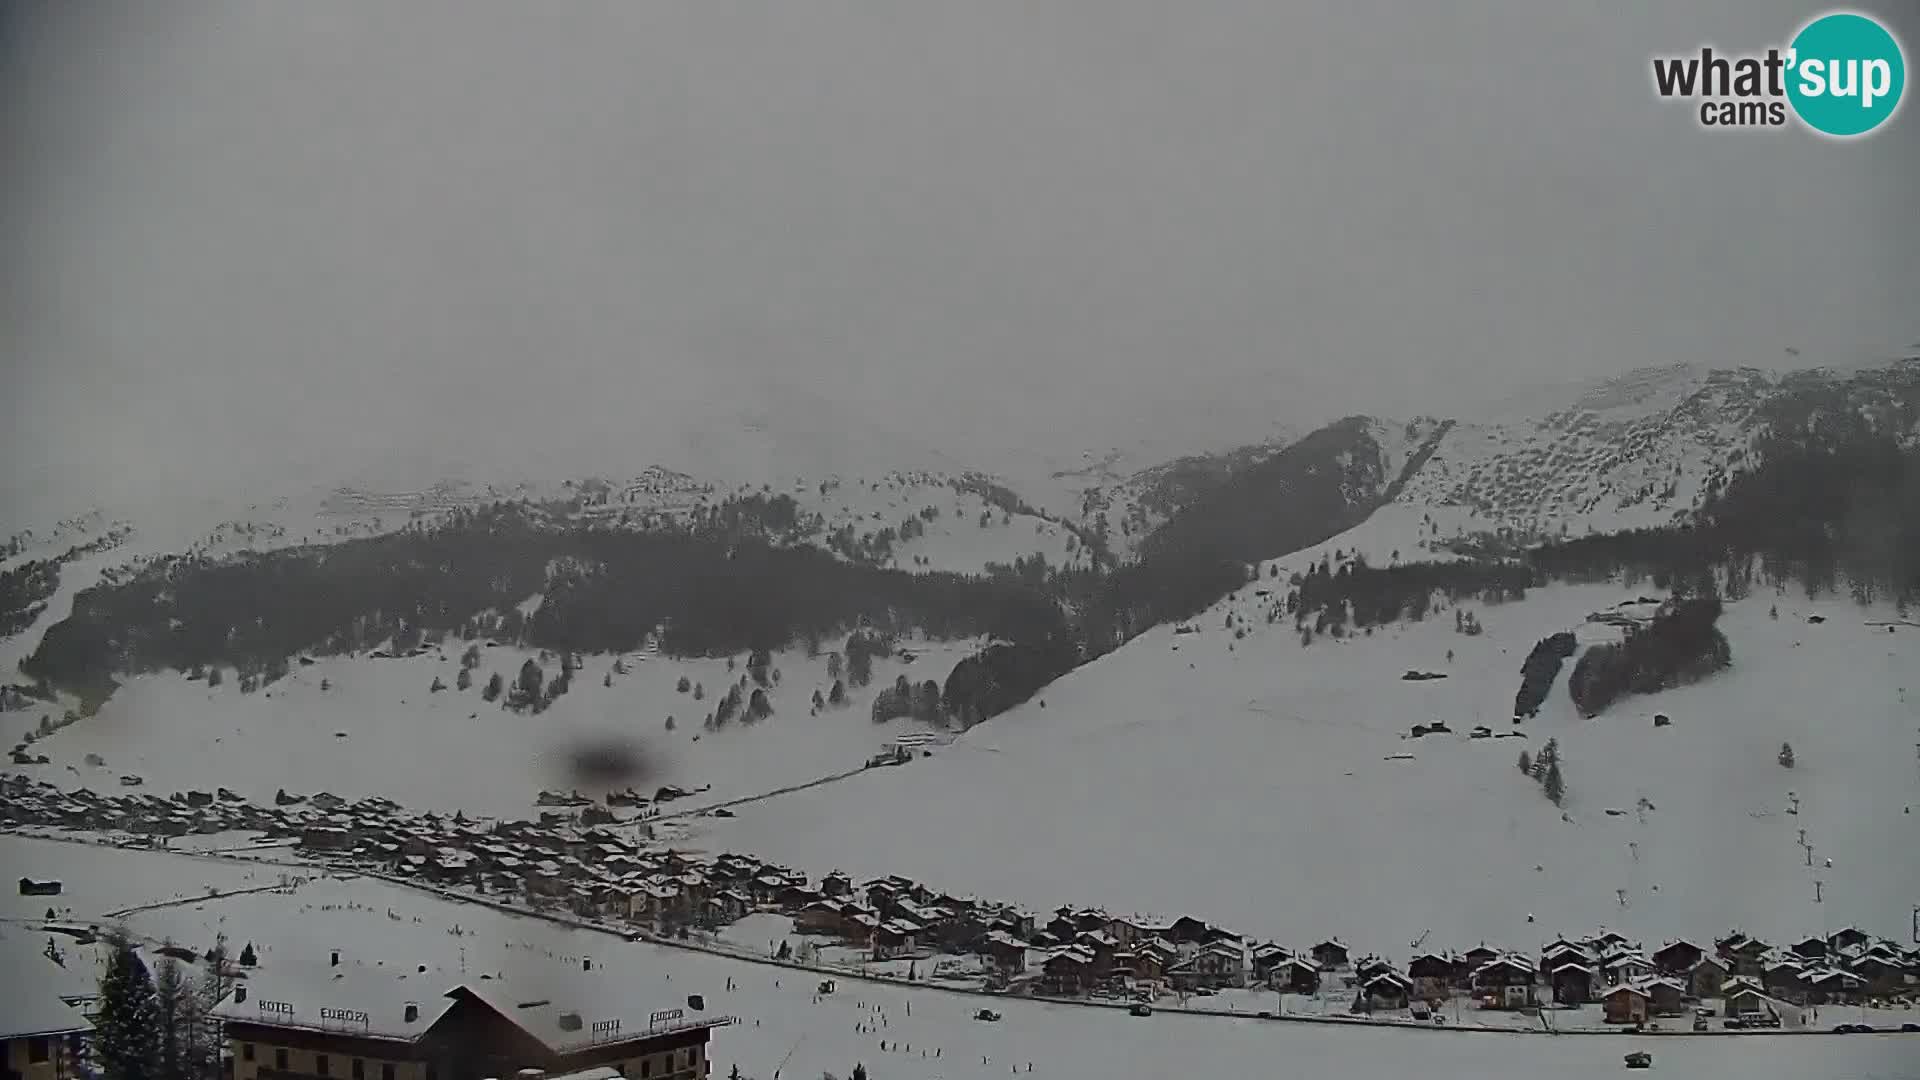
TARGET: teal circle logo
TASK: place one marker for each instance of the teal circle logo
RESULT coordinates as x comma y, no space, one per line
1846,74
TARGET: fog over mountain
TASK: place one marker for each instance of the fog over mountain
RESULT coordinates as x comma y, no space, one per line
253,246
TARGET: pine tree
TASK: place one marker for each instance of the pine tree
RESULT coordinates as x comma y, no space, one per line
464,680
492,690
1786,755
859,1072
1526,764
176,1016
126,1040
1556,788
204,1044
247,958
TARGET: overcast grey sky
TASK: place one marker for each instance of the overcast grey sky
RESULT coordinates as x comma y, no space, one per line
311,241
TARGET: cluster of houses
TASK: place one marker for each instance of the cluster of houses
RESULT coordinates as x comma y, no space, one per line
594,870
25,801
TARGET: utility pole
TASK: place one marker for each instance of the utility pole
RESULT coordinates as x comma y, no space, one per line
1816,891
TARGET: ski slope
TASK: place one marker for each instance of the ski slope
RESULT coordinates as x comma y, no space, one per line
1255,783
385,931
377,730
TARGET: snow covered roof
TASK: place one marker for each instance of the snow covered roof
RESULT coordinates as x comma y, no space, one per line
328,999
564,1026
30,1000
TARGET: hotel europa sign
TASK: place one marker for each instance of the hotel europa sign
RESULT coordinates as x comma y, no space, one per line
328,1013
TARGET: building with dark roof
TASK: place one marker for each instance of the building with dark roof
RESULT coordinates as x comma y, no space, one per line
386,1028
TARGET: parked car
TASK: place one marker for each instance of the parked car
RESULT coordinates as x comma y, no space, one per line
1140,1008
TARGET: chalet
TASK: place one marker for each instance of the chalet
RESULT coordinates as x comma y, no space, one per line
1187,930
820,917
1705,979
1813,948
1265,958
836,884
895,937
1331,955
795,898
858,928
1783,978
1385,990
1099,943
1665,996
1213,967
1296,975
326,838
1368,966
1144,964
1626,1004
1068,971
733,903
1832,985
1473,958
1554,955
1432,974
1677,958
1626,968
1572,983
1008,953
1749,957
32,887
1505,982
1848,938
1881,974
1745,997
1123,930
1017,923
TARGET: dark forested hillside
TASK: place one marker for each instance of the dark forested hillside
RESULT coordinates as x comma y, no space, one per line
1323,484
603,589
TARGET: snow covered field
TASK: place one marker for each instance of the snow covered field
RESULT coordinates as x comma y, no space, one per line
376,730
783,1027
97,879
1251,782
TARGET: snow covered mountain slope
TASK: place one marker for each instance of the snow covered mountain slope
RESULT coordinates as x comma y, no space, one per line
358,726
1272,787
1636,451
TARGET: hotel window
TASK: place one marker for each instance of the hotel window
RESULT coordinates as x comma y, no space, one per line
359,1069
246,1051
37,1049
386,1070
320,1064
280,1059
646,1067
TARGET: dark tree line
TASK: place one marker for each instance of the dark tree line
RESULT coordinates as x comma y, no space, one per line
1829,508
604,590
1538,672
1371,596
1681,645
